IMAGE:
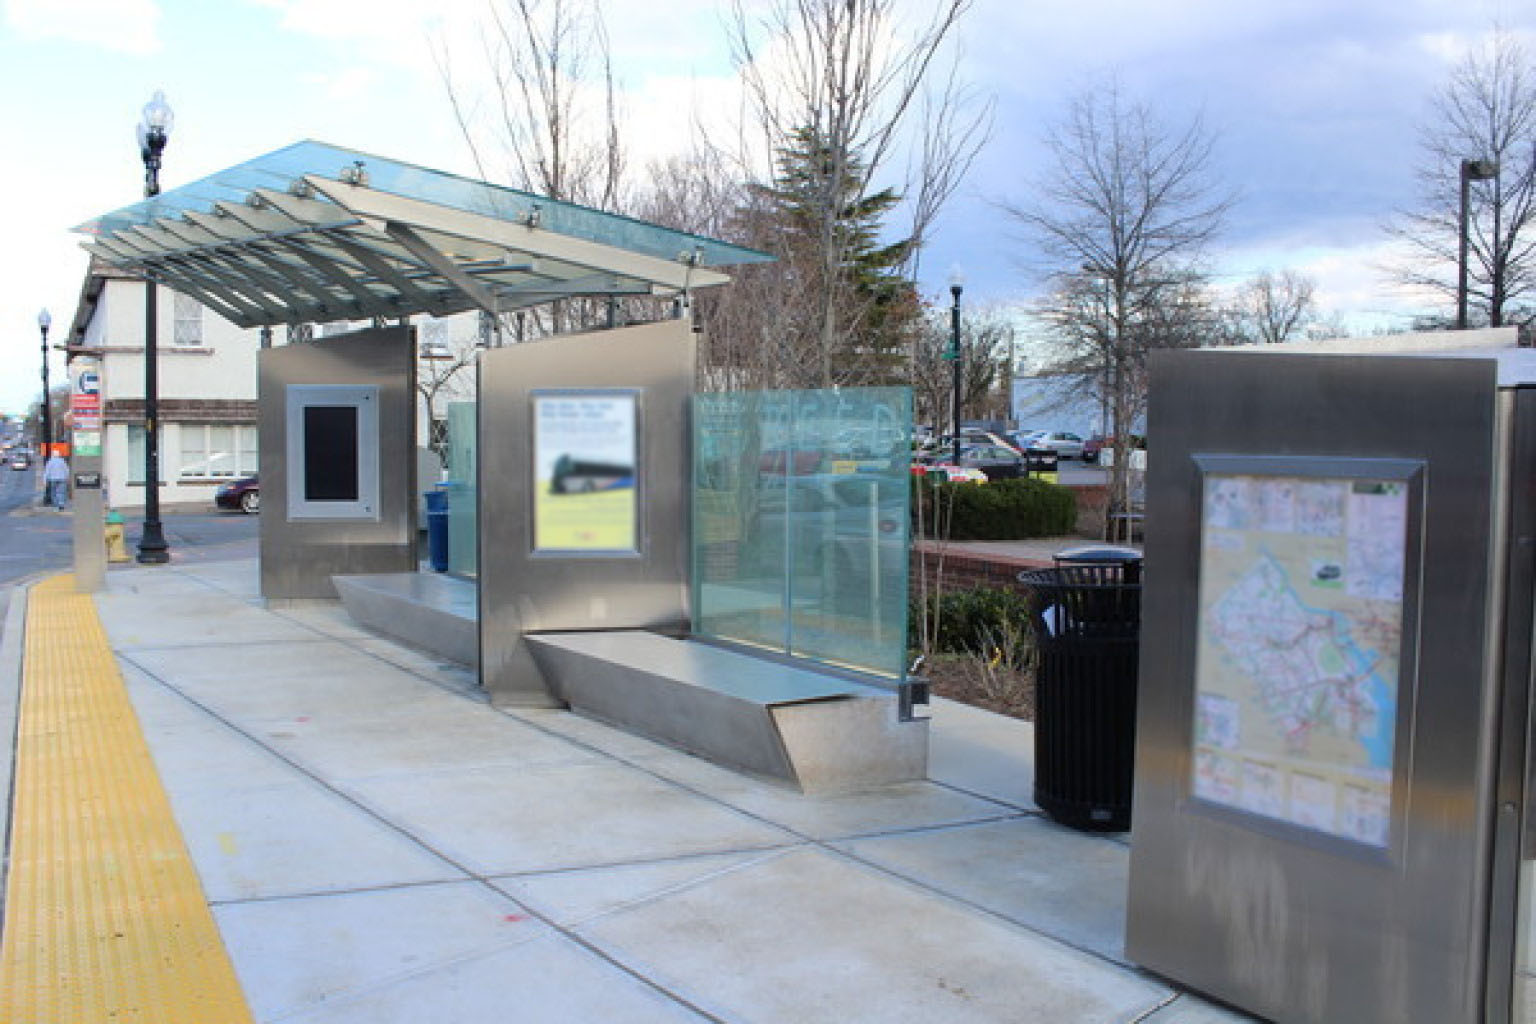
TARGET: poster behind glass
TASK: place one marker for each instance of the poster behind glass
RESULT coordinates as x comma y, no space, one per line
585,458
1299,656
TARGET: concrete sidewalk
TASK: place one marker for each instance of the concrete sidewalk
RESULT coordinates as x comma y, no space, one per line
378,844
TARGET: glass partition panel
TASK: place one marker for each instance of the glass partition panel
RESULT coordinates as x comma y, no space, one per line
463,526
801,523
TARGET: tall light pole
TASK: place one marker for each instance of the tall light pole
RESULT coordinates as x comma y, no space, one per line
956,286
1471,170
44,321
154,131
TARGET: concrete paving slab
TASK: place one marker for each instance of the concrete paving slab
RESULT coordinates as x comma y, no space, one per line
294,955
830,816
983,753
571,897
259,682
501,820
194,748
426,737
549,981
1188,1009
1029,870
291,838
197,617
765,943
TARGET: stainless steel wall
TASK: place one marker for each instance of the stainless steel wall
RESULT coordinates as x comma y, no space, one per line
524,592
1277,919
299,557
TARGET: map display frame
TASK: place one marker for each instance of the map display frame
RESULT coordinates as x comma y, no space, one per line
586,471
1308,587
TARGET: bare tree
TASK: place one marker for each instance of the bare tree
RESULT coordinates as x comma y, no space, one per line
1122,219
545,115
1487,111
986,344
1275,307
445,372
853,83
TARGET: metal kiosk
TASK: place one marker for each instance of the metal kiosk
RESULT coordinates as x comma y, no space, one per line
1333,816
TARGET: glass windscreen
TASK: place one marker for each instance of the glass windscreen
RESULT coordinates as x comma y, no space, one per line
801,523
463,526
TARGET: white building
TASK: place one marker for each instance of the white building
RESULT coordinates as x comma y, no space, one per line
207,386
207,390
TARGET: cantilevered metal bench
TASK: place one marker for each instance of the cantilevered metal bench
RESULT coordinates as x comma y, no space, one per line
427,610
812,729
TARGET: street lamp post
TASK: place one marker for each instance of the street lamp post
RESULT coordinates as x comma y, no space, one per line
154,131
956,286
1471,170
44,321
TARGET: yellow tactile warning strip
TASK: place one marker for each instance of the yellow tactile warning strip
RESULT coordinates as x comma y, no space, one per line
104,919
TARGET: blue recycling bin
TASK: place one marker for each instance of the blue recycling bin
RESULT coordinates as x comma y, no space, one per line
437,529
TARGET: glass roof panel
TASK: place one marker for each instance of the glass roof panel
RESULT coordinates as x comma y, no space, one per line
279,169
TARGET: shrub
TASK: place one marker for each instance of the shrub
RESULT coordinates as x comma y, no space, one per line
1001,510
975,621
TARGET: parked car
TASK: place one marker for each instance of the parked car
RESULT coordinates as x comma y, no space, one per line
1066,445
953,474
997,461
20,460
1092,446
243,495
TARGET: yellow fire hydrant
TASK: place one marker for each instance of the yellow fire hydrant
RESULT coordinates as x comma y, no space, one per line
117,550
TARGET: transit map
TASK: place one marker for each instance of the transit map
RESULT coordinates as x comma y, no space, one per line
1299,652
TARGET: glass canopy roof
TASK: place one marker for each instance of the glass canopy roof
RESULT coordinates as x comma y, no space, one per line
318,232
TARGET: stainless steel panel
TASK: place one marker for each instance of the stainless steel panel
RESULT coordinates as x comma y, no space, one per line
523,592
299,557
1509,954
1278,920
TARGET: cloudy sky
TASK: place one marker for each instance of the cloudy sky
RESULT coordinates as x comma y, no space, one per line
1316,104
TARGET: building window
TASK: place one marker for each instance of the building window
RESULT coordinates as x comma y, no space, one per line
189,320
217,450
136,454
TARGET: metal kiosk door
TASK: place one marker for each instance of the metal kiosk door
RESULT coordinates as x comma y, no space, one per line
1314,831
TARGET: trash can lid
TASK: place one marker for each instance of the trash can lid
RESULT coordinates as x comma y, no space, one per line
1099,554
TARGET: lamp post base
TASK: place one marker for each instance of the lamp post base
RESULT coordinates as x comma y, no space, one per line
153,550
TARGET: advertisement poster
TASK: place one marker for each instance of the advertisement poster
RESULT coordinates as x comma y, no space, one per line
585,452
1299,655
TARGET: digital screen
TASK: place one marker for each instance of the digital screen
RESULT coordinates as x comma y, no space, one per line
330,453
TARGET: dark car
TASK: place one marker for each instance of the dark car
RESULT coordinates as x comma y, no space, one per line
243,495
20,460
995,460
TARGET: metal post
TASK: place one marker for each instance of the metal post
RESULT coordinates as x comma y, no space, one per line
154,131
1471,170
955,288
43,321
153,550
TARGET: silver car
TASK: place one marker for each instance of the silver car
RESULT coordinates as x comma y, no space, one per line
1066,445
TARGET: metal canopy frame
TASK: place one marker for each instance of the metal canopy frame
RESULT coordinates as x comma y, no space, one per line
318,233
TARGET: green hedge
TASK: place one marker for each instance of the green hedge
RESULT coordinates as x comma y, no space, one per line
1000,510
973,621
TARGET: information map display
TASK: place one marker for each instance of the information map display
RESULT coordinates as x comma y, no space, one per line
1299,656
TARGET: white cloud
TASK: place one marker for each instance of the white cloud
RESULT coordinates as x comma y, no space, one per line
124,26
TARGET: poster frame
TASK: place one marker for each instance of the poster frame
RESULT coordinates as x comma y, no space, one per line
637,448
1411,472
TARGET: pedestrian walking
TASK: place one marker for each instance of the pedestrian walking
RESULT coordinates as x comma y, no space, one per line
56,481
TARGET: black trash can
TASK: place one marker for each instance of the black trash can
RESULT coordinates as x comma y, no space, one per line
437,529
1087,618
